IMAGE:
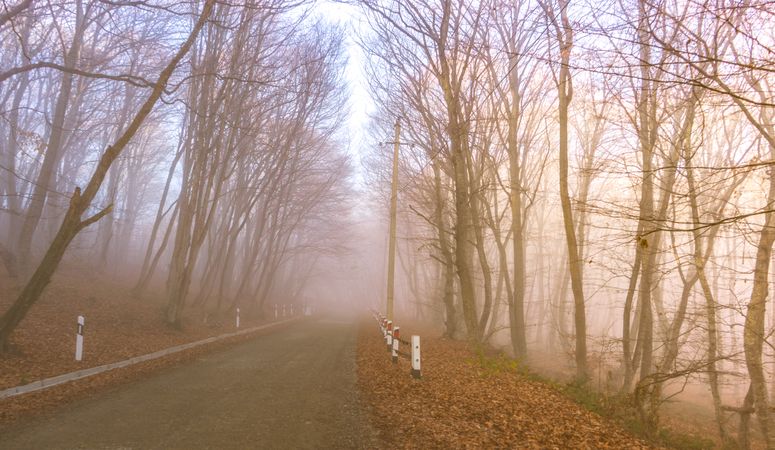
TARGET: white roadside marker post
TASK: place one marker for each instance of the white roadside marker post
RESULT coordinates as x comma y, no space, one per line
416,357
396,341
237,317
389,337
79,339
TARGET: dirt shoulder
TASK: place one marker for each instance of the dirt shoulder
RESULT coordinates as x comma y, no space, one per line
461,404
119,326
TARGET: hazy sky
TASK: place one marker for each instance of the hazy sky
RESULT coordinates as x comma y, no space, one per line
362,273
360,101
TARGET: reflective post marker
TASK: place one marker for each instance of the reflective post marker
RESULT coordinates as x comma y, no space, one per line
416,356
237,317
396,341
79,339
389,336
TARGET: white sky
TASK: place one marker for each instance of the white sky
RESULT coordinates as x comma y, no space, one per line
360,102
367,265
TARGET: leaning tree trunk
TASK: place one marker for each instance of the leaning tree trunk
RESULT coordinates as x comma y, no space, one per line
80,203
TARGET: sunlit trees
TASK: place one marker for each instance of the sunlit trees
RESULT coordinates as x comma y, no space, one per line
665,143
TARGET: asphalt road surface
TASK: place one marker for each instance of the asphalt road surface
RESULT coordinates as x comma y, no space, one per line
293,388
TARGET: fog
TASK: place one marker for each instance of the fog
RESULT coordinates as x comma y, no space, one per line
586,188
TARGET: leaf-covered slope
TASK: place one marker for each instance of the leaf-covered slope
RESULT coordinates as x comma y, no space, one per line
460,404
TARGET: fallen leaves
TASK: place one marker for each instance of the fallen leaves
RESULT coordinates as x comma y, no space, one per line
118,327
458,404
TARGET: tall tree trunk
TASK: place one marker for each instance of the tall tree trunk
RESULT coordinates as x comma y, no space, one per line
47,171
458,136
484,265
9,162
648,240
448,295
517,305
565,89
753,332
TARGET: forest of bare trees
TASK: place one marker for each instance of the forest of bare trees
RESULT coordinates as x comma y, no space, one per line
188,144
589,180
587,185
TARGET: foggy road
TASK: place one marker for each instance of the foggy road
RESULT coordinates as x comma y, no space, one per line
295,388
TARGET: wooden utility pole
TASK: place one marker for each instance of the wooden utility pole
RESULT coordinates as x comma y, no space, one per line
392,239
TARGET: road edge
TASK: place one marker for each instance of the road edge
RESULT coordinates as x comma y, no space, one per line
85,373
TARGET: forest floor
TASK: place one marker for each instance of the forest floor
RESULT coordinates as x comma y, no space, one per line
462,403
118,326
469,400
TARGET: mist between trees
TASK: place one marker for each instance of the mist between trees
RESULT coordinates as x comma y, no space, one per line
591,180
